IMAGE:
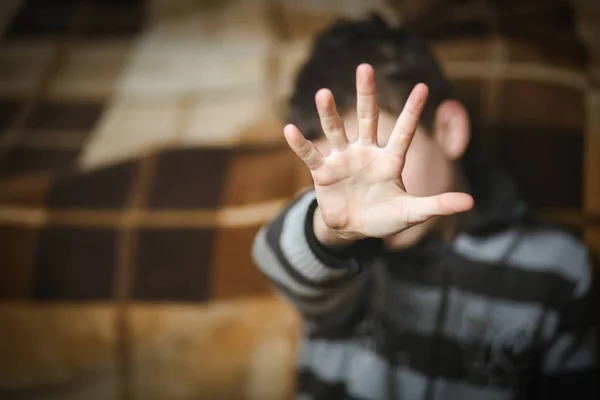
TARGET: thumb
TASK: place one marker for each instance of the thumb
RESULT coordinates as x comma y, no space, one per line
420,209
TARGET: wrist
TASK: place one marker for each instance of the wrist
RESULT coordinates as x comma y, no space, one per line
325,235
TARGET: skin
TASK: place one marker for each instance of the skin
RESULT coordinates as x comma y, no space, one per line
378,176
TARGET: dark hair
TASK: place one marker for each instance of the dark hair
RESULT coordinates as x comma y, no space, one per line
401,59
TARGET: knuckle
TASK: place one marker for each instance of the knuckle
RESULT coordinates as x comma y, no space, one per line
312,161
368,114
304,150
332,125
328,119
337,133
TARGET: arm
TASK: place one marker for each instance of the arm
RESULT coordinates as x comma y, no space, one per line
361,196
328,287
569,368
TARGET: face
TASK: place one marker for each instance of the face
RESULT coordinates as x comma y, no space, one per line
429,170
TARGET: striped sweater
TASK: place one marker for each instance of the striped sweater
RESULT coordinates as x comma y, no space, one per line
500,316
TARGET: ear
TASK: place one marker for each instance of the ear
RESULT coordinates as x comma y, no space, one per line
452,128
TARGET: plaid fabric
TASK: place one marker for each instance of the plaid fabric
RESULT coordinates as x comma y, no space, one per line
141,149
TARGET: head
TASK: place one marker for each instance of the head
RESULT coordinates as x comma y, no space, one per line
400,60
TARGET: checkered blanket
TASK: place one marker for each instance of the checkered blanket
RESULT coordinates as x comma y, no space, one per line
141,149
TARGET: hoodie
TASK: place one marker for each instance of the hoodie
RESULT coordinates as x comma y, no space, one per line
501,312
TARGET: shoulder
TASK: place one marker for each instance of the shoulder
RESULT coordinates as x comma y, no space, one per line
558,251
534,248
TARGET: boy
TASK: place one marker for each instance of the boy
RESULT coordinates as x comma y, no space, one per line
402,296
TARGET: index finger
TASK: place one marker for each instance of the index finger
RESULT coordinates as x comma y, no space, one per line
407,123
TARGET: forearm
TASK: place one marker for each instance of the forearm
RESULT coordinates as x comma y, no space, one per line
317,284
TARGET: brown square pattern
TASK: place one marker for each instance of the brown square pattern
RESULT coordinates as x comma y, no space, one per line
90,69
21,160
8,111
30,191
543,104
75,263
567,54
546,164
23,64
173,265
17,250
105,188
112,18
75,116
470,92
257,175
233,271
130,127
42,18
189,178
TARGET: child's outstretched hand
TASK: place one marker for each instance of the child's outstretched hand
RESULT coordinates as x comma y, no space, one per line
359,184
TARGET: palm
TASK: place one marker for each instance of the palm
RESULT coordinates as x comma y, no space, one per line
359,185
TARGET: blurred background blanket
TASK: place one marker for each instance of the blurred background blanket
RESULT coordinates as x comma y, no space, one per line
141,150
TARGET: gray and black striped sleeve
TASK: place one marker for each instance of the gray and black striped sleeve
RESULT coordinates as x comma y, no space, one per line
569,367
325,287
